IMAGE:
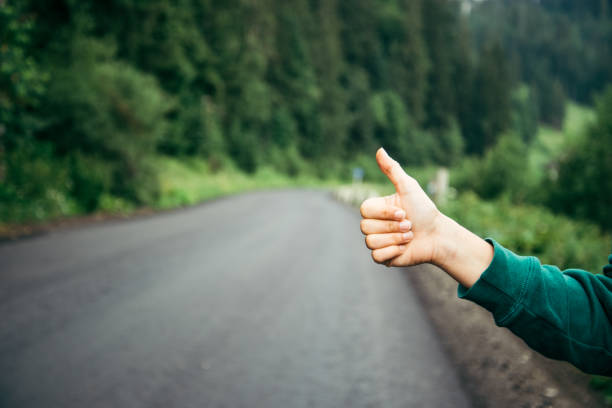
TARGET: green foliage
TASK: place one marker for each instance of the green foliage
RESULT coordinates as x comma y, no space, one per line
187,181
243,147
525,114
447,145
490,106
533,230
409,64
23,200
557,46
22,81
504,170
439,29
108,114
193,129
287,161
584,185
603,384
391,124
550,144
308,80
283,128
551,102
372,173
91,179
301,87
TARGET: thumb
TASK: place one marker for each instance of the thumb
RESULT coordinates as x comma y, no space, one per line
392,170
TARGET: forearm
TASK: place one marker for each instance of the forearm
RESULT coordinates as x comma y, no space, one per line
563,315
461,253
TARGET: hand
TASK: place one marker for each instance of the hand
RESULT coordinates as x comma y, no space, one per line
395,242
431,236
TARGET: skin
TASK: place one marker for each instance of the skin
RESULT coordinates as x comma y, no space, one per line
406,229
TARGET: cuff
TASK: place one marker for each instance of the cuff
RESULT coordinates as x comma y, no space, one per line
502,286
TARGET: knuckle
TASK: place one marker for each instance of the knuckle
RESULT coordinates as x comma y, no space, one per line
363,225
377,257
368,241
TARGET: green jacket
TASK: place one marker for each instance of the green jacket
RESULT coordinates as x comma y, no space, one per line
563,315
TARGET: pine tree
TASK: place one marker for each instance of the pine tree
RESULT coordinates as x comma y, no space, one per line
439,21
491,100
408,66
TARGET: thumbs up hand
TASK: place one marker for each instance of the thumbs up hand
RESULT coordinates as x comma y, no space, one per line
406,229
401,229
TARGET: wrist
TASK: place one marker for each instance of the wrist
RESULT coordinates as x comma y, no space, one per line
461,253
445,247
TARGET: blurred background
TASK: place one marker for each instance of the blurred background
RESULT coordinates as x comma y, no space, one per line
110,106
114,106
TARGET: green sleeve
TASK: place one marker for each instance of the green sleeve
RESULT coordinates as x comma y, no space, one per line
563,315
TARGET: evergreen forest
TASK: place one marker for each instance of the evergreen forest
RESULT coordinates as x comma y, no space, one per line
92,94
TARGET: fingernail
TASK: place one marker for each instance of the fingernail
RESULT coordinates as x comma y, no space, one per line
405,225
407,235
400,214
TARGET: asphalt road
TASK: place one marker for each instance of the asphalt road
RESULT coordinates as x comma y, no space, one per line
265,299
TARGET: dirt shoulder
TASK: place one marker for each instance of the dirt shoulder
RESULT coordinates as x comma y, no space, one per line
12,232
495,366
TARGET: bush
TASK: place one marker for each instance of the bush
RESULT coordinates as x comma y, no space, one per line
22,79
243,147
194,129
36,184
525,113
91,179
286,161
584,186
108,118
447,145
503,170
531,230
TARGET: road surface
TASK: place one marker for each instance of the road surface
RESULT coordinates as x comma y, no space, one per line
266,299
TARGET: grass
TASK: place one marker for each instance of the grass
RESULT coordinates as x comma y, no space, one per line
183,182
190,181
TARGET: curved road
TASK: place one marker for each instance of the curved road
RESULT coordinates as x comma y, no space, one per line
266,299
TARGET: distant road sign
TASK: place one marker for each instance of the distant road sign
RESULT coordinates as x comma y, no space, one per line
358,174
